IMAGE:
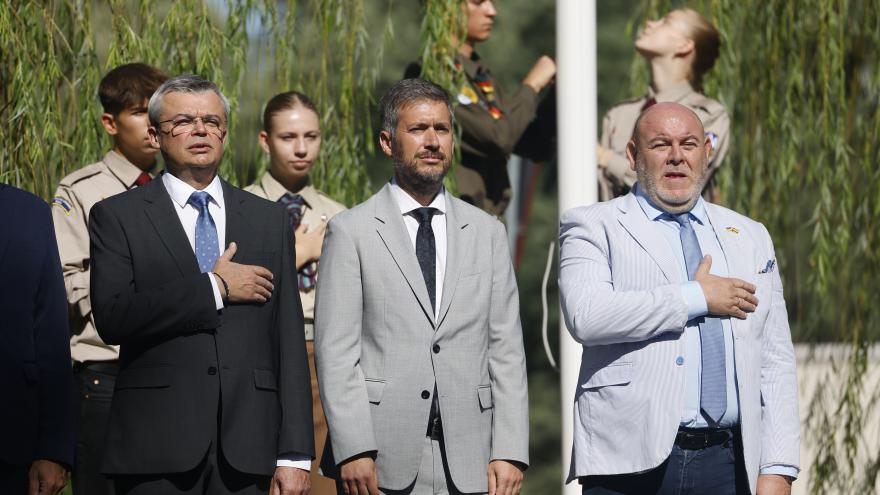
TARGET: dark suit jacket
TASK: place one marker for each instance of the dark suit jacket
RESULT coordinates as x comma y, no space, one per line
183,364
35,376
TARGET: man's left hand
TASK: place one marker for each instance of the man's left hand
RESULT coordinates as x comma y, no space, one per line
46,478
505,478
290,481
773,484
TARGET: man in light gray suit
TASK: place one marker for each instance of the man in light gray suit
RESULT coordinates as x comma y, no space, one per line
417,333
687,378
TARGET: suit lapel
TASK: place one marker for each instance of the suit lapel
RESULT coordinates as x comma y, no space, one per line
634,220
734,253
160,211
392,230
235,224
457,236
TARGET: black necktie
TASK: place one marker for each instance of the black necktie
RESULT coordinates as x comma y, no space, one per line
426,250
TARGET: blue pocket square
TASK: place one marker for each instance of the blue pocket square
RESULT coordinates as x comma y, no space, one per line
769,267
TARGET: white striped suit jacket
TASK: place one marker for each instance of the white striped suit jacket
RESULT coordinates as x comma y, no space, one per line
621,299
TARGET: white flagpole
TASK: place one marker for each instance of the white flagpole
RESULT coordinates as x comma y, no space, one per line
577,134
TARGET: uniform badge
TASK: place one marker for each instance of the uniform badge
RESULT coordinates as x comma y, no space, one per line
63,204
467,95
732,229
713,139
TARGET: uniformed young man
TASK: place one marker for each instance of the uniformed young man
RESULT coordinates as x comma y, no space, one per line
291,136
680,48
492,123
124,93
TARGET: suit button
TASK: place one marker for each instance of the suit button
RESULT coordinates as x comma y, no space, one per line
212,370
679,360
426,394
436,348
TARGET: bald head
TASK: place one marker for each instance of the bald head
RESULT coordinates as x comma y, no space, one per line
669,152
666,110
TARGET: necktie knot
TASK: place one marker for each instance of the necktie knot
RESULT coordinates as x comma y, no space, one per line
142,179
683,219
199,199
424,214
291,200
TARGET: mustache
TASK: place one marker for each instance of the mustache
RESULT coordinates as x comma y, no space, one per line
439,155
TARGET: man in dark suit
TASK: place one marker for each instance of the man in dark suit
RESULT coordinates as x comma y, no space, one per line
35,376
213,390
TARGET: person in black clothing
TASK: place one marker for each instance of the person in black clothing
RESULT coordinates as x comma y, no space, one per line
35,376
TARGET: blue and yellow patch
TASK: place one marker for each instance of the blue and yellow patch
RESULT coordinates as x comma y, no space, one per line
63,204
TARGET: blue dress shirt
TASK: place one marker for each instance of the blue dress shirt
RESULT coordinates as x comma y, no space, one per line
697,307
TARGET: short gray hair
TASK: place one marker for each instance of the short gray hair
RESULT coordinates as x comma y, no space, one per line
407,92
186,83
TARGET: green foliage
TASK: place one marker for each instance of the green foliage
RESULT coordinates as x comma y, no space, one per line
802,86
55,53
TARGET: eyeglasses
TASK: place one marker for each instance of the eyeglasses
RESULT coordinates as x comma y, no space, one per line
185,124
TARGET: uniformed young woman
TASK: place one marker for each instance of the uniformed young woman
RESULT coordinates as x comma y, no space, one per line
291,136
680,48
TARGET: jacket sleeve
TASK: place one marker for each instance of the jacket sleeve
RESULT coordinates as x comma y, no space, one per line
507,362
295,385
720,127
339,323
123,312
780,424
498,137
51,335
72,232
617,170
595,312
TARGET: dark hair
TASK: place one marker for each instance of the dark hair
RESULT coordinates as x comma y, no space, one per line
707,46
187,83
407,92
286,101
128,86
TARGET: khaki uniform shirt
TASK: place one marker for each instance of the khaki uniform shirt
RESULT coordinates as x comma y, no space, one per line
486,142
617,128
76,195
317,204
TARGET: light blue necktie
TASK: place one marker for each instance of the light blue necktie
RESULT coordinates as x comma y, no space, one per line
713,379
207,245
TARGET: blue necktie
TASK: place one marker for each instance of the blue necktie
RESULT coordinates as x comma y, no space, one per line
307,276
713,379
207,245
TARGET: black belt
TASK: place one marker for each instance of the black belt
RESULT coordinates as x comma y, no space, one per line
701,438
106,367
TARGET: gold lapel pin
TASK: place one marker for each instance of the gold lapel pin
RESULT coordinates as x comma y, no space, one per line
733,229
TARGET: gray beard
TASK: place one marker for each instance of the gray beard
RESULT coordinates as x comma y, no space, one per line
669,205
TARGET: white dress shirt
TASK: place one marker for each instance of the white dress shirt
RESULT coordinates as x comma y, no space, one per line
180,192
407,204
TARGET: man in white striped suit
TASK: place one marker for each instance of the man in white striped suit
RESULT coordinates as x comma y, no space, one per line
687,378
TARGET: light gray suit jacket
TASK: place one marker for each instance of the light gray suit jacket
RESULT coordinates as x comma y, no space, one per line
378,347
621,299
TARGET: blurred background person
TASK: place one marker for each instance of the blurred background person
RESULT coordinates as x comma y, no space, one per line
680,49
124,93
291,136
493,124
37,445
